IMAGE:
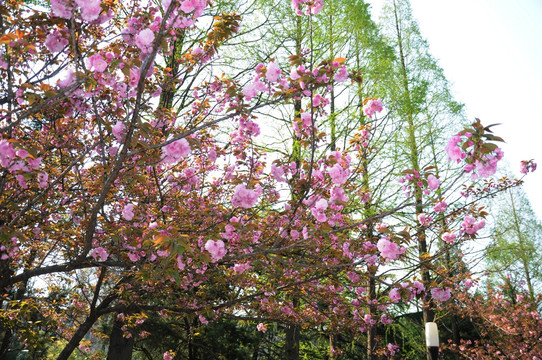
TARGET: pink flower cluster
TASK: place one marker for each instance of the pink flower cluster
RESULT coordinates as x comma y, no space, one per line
408,289
90,9
128,212
413,180
55,41
479,165
470,226
175,151
7,252
312,6
193,5
261,82
216,249
144,40
441,294
440,207
373,106
527,166
261,327
448,237
245,198
99,254
318,210
424,219
16,159
341,75
388,249
338,174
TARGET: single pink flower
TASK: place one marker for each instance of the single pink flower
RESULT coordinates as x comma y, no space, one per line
433,182
97,63
99,254
372,107
440,207
388,249
175,151
245,198
128,212
90,9
342,74
144,40
54,42
273,72
424,219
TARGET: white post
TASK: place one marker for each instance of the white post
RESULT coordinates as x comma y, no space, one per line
432,339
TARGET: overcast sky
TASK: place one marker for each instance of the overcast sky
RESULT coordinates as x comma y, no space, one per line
491,52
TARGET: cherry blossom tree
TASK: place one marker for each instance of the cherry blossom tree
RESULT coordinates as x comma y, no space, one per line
132,183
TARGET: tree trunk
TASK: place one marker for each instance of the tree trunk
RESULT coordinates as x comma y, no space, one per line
120,347
291,347
425,263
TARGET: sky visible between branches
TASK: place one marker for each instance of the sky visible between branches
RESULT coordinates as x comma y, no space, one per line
491,52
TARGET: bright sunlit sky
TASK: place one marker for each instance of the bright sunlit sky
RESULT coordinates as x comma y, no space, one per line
491,52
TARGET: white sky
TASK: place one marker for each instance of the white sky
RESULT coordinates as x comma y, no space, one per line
491,52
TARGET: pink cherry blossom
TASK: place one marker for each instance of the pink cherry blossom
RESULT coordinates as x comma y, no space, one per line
7,153
388,249
168,356
190,5
97,63
128,212
245,198
175,151
527,166
273,72
338,174
117,130
294,75
470,226
90,9
144,40
313,6
424,219
278,173
433,182
62,8
337,195
318,210
261,327
395,295
441,294
418,287
373,106
342,74
454,152
22,181
216,249
42,179
55,42
99,254
448,237
440,207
